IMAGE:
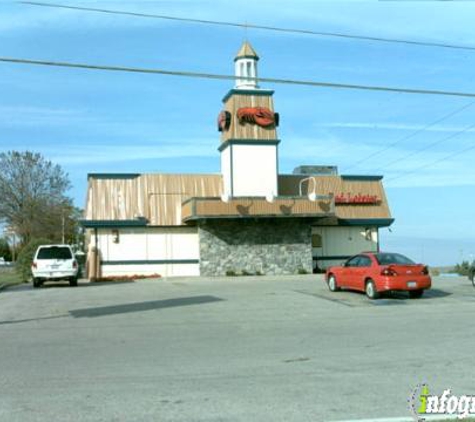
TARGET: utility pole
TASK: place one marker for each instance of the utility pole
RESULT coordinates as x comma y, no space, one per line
62,228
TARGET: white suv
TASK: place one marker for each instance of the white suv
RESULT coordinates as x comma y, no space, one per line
54,262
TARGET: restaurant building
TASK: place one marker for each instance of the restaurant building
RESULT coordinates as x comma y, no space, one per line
249,219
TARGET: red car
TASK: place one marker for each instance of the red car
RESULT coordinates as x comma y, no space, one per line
378,272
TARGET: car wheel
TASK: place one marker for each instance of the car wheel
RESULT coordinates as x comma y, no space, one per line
73,281
332,284
370,290
36,283
416,294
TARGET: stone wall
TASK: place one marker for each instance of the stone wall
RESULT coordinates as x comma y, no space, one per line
255,246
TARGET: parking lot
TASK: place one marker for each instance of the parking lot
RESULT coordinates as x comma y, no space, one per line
228,349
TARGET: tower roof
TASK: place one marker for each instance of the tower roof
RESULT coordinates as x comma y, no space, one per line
246,52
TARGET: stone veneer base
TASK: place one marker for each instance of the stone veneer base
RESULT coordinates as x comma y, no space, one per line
270,246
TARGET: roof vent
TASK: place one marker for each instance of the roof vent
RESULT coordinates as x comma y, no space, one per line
316,171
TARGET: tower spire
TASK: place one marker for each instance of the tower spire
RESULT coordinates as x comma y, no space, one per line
245,67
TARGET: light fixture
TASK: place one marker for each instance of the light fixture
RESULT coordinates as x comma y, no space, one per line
115,236
270,197
368,233
311,196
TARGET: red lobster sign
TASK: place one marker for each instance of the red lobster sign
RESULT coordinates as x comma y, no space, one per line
224,120
260,116
359,199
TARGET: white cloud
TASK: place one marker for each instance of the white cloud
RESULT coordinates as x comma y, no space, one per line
78,154
34,116
417,171
448,20
393,126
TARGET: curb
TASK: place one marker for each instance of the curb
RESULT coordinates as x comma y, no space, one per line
6,286
426,418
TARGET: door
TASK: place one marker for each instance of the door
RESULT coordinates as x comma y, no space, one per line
362,272
347,278
317,249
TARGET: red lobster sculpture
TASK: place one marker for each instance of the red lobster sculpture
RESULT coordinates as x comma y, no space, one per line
261,116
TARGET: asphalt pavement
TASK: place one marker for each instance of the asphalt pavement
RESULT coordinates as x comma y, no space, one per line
228,349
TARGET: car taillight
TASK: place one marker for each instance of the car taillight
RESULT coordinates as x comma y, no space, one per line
388,272
425,270
34,265
75,264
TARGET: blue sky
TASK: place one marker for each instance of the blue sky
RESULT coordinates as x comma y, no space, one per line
90,121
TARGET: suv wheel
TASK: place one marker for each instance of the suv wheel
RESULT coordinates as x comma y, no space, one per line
36,283
73,281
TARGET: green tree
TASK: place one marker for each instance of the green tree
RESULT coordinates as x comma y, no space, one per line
463,268
33,196
5,250
25,258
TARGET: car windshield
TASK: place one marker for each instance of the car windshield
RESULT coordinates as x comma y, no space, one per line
393,258
54,252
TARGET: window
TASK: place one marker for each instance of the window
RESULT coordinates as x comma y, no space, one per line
353,262
365,261
316,241
393,258
54,252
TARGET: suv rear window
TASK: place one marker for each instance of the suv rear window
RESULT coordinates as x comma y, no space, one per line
54,252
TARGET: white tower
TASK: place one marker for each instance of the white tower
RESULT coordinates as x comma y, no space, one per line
245,67
248,133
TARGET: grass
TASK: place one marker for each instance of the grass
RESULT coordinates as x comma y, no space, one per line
469,419
9,277
452,420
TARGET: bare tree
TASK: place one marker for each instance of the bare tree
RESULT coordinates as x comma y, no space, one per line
33,201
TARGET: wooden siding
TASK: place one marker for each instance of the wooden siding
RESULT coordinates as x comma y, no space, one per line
248,130
325,185
257,207
159,197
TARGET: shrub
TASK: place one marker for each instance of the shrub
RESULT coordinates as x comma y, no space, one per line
5,250
463,268
230,273
25,258
134,277
302,271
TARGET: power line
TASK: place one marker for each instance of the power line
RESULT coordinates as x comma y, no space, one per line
253,26
412,135
433,163
433,144
232,77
